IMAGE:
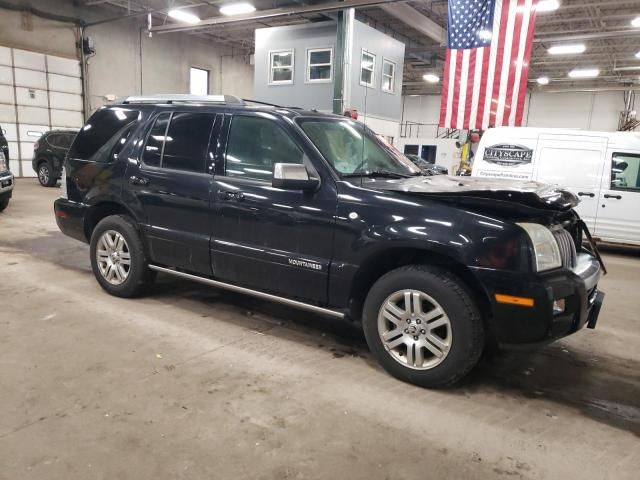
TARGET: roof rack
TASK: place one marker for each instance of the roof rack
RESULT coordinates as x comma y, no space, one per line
184,98
258,102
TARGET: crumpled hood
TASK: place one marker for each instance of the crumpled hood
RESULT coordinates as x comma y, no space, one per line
531,194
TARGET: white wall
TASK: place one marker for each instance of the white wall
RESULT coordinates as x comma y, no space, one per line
588,111
128,62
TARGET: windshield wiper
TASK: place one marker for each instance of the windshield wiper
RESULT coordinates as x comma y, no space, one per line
376,173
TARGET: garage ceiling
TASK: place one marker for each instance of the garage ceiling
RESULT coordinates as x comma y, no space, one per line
604,27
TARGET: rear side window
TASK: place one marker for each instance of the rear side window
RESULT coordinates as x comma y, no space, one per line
101,131
155,142
187,141
255,145
179,141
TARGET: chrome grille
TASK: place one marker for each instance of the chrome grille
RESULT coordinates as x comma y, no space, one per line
567,248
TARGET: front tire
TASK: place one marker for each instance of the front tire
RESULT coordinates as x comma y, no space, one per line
45,175
118,258
4,204
422,325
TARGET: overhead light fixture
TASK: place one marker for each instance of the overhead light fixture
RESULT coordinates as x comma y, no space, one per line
543,81
638,55
237,9
635,22
567,49
584,73
183,16
431,78
547,5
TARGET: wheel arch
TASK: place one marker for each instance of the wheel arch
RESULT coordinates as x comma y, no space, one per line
384,261
101,210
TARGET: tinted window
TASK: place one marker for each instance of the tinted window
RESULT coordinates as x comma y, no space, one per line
155,141
66,140
625,172
52,140
100,131
187,141
255,145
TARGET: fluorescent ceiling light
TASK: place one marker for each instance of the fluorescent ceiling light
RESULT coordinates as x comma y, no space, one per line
635,22
638,55
184,16
567,49
237,9
548,5
543,81
431,78
584,73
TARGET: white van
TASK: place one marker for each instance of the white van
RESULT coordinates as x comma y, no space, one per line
602,168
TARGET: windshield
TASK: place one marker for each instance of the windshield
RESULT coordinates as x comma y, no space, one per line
354,150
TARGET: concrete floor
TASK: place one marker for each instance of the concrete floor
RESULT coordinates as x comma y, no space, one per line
190,382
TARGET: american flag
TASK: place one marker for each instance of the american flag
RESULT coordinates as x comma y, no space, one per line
487,65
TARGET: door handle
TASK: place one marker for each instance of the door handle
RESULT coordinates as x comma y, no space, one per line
586,194
617,197
134,180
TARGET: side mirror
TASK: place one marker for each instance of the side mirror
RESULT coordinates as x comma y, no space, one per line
293,176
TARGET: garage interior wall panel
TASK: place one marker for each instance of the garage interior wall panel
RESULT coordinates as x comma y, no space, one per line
38,92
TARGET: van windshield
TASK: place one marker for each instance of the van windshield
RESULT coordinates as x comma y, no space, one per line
353,150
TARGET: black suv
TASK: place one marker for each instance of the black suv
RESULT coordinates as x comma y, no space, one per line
6,178
314,211
48,155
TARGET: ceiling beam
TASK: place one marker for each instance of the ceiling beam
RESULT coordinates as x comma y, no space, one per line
588,36
332,6
416,20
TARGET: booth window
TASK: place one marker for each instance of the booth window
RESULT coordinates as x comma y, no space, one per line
388,76
198,81
281,67
319,65
367,69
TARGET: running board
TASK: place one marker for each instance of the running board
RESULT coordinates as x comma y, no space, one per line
248,291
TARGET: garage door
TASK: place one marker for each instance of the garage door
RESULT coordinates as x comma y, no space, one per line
38,92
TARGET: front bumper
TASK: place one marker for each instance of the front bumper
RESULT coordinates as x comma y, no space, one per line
7,183
538,323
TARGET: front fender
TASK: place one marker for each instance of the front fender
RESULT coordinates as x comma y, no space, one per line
372,224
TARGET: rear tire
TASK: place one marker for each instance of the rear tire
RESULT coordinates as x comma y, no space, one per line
45,174
118,257
422,325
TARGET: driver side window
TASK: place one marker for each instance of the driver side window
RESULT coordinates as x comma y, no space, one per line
625,172
255,144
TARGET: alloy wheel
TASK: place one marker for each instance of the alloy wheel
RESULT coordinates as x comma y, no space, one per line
43,174
113,257
414,329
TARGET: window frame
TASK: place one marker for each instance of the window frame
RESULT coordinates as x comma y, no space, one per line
208,72
208,170
271,67
364,52
623,189
384,75
308,78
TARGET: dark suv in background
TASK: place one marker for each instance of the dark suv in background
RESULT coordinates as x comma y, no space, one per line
48,155
6,178
314,211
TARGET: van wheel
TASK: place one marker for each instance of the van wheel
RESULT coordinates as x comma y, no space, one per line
45,175
422,325
117,257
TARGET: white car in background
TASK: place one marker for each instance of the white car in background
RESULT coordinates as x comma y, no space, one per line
602,168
